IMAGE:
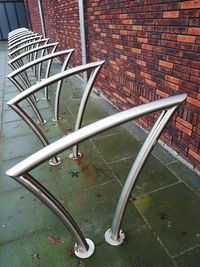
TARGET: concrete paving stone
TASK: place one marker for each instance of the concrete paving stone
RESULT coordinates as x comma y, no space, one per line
190,258
18,146
173,214
126,146
85,172
153,176
140,248
94,208
186,174
46,248
22,213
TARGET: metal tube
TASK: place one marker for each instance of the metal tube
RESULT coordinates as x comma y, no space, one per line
91,130
40,65
36,87
17,37
31,124
59,85
20,171
54,205
16,51
115,238
41,18
82,106
24,41
21,89
82,33
18,40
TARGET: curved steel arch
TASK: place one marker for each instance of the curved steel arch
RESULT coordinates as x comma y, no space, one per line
14,103
48,57
19,44
13,53
20,172
15,42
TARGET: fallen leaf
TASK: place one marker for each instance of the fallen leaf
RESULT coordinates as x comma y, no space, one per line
35,257
53,241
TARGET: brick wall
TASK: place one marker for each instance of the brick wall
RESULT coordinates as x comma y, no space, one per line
32,12
61,23
151,48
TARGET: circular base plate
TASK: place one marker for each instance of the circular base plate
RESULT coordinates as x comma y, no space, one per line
41,123
59,118
85,254
71,155
52,162
112,242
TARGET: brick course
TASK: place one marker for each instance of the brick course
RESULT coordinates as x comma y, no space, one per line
151,50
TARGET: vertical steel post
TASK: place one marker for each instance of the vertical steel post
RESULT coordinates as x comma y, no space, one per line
41,18
83,41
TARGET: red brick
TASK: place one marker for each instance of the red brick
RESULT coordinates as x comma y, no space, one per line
190,4
123,16
194,154
136,50
171,14
123,57
194,31
141,62
161,93
137,27
142,40
131,74
145,75
147,47
166,64
115,36
193,101
183,122
172,85
151,83
144,100
186,38
172,79
183,129
197,130
123,32
119,46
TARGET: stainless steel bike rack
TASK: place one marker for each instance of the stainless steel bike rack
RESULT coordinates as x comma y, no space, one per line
17,62
18,32
15,42
18,36
27,46
14,103
50,57
114,236
29,39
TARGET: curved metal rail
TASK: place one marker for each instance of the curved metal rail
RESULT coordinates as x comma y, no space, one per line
18,36
14,34
20,172
49,57
15,63
15,42
16,52
25,41
14,103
